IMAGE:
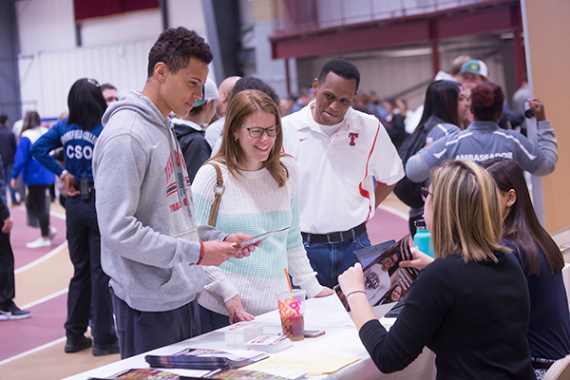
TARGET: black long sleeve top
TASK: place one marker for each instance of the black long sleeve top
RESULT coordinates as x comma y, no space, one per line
473,315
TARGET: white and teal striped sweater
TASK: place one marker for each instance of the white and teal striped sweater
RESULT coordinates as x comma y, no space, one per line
253,204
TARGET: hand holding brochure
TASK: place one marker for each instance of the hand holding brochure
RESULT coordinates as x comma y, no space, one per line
384,281
254,240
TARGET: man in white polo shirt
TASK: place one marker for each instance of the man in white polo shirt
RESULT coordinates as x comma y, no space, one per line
347,167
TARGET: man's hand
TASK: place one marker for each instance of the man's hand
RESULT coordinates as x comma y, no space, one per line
538,108
239,237
13,183
70,182
236,310
217,252
7,225
325,292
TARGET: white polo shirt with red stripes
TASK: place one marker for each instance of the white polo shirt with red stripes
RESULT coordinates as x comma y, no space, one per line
336,173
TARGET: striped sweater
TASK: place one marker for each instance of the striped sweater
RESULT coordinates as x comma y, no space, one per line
253,204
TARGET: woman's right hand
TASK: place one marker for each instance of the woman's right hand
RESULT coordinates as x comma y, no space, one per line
420,260
352,280
236,310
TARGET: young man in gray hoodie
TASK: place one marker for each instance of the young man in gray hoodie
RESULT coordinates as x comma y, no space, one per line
151,247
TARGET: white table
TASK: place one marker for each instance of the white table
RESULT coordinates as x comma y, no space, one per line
341,339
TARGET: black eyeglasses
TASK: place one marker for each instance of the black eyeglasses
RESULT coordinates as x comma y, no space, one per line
258,132
425,192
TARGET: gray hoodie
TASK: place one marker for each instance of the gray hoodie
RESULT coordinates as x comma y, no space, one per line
149,238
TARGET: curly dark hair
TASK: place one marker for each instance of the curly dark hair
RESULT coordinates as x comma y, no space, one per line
175,47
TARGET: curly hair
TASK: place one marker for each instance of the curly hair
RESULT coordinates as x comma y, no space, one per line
487,101
175,47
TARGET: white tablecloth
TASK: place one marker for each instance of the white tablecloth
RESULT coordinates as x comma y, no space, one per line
341,339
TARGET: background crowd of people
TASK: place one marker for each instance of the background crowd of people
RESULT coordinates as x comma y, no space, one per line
159,198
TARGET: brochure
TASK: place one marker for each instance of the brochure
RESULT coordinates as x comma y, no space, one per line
257,238
201,358
384,281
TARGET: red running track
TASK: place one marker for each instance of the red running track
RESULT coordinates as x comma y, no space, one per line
22,234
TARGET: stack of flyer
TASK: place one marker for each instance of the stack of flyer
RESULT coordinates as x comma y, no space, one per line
201,358
270,344
240,334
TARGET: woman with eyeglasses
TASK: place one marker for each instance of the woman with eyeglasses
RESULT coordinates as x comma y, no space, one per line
470,306
36,178
89,286
260,188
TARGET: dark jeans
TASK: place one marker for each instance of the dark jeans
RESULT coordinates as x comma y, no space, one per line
330,260
142,331
212,321
89,284
7,176
36,204
7,287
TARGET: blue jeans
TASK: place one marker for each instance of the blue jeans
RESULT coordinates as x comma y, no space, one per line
331,260
212,321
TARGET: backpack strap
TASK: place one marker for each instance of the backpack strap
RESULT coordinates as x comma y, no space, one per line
218,191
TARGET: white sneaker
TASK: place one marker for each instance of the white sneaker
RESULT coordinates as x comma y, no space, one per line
39,243
52,232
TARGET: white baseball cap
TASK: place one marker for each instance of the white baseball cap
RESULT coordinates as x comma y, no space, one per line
209,92
475,66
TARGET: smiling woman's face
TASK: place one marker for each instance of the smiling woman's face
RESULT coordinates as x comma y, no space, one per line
256,150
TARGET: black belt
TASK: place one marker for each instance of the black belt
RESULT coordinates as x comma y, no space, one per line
335,237
536,364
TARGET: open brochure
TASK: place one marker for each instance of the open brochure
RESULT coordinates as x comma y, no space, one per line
201,358
228,374
384,281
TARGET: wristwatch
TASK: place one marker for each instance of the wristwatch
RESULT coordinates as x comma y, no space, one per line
63,173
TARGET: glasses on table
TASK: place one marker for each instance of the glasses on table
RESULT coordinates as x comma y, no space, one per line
425,192
258,132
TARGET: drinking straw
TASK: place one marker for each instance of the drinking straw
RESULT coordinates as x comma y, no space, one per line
288,280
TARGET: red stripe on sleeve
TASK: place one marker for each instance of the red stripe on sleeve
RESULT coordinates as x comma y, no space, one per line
363,192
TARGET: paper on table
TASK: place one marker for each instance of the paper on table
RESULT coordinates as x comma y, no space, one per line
314,365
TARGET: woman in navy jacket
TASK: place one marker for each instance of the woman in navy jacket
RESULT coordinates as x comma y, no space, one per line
89,286
36,178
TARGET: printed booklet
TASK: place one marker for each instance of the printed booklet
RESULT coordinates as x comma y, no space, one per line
201,358
384,281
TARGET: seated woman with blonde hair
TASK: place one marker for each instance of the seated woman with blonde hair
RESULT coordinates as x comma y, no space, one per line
471,305
260,194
